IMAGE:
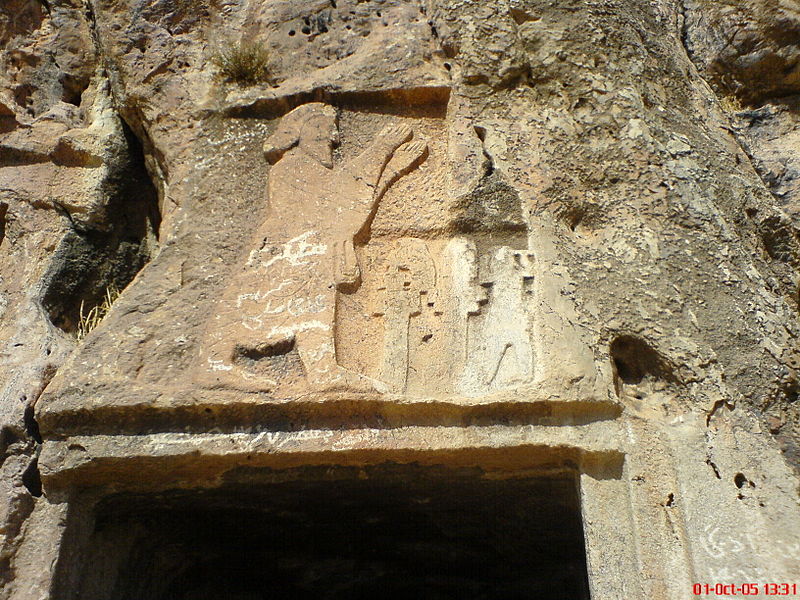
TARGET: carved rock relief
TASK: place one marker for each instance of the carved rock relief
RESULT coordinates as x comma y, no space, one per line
357,279
441,316
282,300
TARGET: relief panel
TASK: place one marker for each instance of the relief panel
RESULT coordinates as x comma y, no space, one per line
360,277
440,317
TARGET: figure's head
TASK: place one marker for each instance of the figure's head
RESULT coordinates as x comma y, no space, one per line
311,126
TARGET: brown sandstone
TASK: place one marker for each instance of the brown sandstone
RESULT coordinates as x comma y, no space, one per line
523,271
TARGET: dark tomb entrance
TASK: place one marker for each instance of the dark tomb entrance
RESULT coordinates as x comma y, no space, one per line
388,531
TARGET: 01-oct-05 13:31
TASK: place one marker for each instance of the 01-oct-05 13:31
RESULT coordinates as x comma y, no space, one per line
744,589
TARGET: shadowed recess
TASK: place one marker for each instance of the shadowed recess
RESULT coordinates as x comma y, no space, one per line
634,361
343,532
89,261
3,213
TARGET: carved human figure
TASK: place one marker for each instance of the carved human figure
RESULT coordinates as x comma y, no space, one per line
491,321
284,297
508,353
500,347
410,285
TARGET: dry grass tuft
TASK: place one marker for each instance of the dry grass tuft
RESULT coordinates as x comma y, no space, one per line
245,63
731,104
97,313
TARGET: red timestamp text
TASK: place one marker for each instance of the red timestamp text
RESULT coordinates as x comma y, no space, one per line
745,589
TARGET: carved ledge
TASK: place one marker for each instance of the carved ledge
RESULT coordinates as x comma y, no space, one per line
163,460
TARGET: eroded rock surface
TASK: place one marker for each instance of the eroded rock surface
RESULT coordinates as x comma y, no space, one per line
749,54
512,236
749,48
78,215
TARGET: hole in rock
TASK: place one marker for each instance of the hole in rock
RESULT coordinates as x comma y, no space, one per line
279,348
342,532
574,216
634,360
520,16
73,88
31,425
3,214
109,251
739,479
32,480
277,360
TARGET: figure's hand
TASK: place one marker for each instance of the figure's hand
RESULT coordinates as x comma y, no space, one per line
408,156
395,135
404,160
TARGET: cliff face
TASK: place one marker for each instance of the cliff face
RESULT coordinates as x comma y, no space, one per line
510,235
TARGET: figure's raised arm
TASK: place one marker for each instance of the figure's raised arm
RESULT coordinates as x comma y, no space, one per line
369,165
404,160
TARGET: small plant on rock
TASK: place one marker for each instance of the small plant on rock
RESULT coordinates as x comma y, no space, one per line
92,318
731,104
245,63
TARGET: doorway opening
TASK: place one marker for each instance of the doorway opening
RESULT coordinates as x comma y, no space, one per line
387,531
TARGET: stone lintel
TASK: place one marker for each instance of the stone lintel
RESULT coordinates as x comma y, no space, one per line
198,411
165,460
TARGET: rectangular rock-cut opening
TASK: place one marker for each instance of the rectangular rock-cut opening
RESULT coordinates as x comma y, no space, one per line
388,531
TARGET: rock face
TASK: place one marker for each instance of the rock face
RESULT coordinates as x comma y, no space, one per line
748,49
748,52
461,288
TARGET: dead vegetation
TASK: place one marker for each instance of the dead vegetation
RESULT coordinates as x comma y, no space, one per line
97,313
731,104
244,63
